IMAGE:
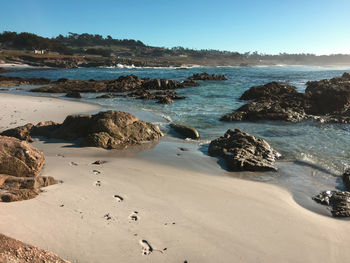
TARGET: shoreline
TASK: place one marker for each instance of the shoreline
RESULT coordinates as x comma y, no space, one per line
214,214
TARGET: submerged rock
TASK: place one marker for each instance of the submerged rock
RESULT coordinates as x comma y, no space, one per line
206,76
244,152
185,131
338,201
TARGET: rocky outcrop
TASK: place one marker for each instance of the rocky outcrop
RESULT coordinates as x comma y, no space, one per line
206,76
338,201
330,96
325,101
20,165
185,131
6,81
121,84
244,152
161,96
109,130
12,250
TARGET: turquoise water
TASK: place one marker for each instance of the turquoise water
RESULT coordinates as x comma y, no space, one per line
324,145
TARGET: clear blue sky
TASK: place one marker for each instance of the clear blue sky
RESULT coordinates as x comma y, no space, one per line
268,26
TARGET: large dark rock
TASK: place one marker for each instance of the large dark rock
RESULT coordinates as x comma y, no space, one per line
109,130
338,201
330,96
325,101
244,152
206,76
185,131
268,90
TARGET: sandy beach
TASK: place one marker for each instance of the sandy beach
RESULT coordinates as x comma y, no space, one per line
131,209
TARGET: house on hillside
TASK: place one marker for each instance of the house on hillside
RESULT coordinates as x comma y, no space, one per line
38,51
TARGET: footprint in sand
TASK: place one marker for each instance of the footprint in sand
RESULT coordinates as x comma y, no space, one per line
119,198
146,247
73,164
98,183
96,172
134,216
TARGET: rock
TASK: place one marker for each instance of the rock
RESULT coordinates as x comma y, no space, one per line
61,80
338,201
20,165
346,179
6,81
45,129
74,127
19,158
185,131
109,130
190,83
206,76
165,100
12,250
330,96
324,101
244,152
268,90
74,94
162,84
21,132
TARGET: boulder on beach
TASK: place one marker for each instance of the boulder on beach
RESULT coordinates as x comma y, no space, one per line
21,164
19,158
244,152
109,130
206,76
338,201
185,131
324,101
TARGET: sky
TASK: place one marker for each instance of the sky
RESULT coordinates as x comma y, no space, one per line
266,26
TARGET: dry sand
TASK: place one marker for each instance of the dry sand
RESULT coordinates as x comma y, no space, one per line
114,212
